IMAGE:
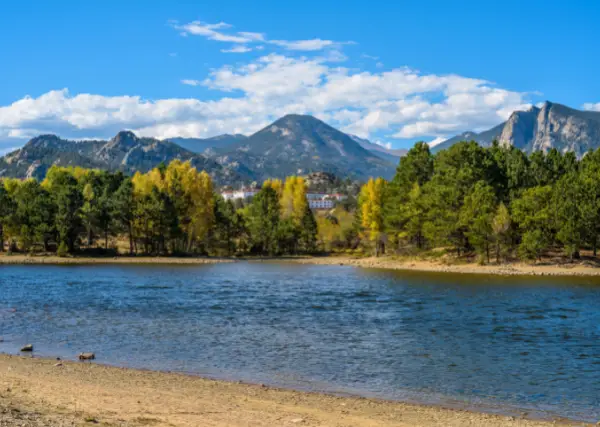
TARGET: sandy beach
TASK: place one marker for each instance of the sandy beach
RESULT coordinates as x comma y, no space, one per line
43,392
512,269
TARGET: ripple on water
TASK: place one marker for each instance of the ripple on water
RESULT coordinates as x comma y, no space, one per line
503,342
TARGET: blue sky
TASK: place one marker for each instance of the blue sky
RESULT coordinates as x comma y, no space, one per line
394,72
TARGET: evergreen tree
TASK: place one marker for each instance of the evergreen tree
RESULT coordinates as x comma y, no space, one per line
308,231
501,227
263,217
476,216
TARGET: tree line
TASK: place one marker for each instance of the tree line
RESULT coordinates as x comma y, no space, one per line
172,209
497,202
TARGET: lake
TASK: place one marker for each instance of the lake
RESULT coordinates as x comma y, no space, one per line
492,343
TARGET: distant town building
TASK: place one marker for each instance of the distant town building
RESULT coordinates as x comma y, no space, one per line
321,203
242,193
315,200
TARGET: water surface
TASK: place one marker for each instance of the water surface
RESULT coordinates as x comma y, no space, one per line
492,342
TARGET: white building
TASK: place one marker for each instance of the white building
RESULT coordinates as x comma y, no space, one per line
242,193
324,203
315,200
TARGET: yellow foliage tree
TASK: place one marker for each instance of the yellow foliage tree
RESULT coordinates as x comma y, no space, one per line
275,184
371,211
293,199
190,191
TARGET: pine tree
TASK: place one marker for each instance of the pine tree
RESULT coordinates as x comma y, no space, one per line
501,226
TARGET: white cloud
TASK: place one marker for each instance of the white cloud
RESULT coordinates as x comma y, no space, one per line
191,82
400,102
589,106
387,145
216,32
259,37
436,141
305,45
210,31
237,49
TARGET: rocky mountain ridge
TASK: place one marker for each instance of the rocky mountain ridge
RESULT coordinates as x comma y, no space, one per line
294,144
541,129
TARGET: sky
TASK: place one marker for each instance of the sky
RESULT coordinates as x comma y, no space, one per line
394,72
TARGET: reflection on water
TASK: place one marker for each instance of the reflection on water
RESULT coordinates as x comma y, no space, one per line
499,342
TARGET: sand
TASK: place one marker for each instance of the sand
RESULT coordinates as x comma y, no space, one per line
43,392
512,269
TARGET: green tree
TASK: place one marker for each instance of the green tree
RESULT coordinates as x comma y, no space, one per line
308,231
476,216
229,225
68,200
263,217
122,211
534,214
501,227
569,219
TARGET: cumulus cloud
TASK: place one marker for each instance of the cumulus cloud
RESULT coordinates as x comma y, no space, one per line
589,106
398,103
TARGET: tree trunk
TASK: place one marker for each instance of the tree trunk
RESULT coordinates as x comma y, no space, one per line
497,252
130,239
106,239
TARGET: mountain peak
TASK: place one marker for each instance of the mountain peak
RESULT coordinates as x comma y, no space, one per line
541,128
125,135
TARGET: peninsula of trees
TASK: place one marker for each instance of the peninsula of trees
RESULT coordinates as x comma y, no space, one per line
498,202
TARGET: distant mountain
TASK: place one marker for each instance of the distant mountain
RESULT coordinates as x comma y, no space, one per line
200,145
551,126
292,145
125,152
300,144
388,154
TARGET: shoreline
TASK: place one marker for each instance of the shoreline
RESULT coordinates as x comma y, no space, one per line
513,269
65,392
385,262
75,260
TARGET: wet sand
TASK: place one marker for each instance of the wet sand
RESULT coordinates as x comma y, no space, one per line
43,392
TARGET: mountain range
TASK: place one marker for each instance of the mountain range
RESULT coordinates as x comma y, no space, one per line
294,144
540,129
